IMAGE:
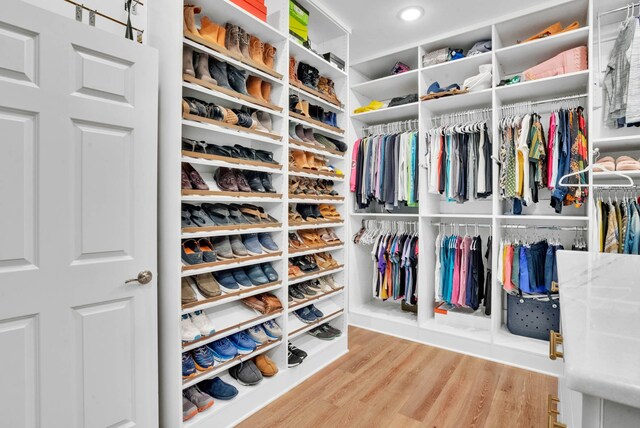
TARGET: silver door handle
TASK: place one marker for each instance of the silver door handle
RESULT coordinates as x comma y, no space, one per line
144,277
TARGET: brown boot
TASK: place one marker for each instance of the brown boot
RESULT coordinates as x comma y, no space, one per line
244,42
332,90
268,55
323,85
305,108
187,62
254,87
232,39
293,76
209,30
202,69
189,13
266,91
256,49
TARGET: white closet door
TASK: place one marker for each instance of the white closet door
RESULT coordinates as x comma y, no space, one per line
78,137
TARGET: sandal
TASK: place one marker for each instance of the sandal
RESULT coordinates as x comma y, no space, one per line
294,215
294,270
295,242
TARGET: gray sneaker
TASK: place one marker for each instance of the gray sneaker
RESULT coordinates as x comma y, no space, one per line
252,244
238,248
246,373
189,409
200,399
321,333
222,247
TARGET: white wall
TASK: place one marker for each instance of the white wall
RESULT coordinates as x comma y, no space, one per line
113,8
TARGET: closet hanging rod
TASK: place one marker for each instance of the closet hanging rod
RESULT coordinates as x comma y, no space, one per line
514,226
619,9
629,8
462,114
550,100
399,126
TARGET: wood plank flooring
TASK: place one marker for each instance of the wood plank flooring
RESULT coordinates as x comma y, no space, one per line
389,382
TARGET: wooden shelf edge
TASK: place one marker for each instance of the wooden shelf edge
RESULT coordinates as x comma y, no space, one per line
231,93
225,296
301,87
195,192
231,261
241,162
224,51
316,322
231,227
319,197
311,299
291,278
189,116
316,122
314,172
311,146
319,248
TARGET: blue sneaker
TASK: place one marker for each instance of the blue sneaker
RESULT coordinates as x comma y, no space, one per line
256,275
252,244
218,389
203,358
188,366
272,329
241,278
243,342
267,242
317,312
227,282
223,350
269,271
305,315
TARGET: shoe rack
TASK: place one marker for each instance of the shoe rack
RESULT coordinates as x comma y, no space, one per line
177,121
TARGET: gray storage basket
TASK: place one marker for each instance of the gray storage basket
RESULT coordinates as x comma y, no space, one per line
533,316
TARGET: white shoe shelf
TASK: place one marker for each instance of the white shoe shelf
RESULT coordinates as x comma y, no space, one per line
227,312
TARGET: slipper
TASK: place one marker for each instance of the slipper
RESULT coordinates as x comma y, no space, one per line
549,31
573,26
373,105
434,88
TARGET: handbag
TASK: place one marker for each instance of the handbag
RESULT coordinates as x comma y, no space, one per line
533,316
398,101
435,57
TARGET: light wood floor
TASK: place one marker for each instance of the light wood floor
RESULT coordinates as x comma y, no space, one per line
388,382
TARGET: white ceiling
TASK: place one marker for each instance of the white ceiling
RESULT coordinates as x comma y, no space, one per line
376,27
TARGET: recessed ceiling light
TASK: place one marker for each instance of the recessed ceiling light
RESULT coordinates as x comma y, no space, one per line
411,13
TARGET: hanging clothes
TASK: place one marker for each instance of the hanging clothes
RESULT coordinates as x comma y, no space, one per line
530,162
459,163
528,267
384,169
460,273
395,266
618,225
622,78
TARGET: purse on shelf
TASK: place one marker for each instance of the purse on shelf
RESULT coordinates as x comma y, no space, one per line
533,316
435,57
569,61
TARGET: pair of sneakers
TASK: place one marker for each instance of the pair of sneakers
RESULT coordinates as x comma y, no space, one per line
265,332
201,397
308,314
325,332
295,356
195,326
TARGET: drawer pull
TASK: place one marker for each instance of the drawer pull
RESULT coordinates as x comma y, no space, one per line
555,339
553,413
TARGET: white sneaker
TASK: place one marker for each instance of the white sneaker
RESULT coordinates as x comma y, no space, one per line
325,287
257,334
189,331
332,282
202,322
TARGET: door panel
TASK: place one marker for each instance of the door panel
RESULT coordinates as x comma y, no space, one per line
78,141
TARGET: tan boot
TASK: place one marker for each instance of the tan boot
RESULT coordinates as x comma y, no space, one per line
187,62
265,88
209,30
189,13
305,108
202,69
269,55
293,76
323,85
256,49
222,35
254,87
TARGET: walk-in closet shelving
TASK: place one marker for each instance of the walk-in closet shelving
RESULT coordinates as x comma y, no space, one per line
226,311
473,333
